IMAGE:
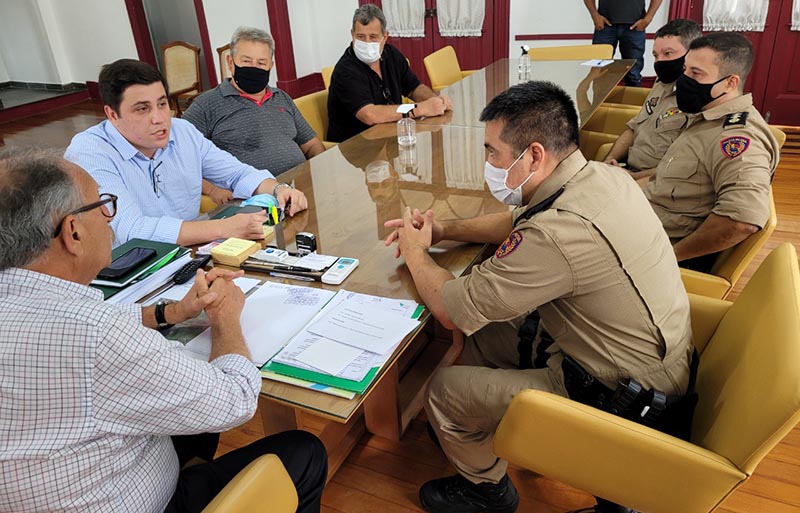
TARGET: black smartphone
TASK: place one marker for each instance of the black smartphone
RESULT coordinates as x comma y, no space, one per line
126,263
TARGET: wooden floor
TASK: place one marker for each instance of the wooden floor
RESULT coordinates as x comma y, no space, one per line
383,477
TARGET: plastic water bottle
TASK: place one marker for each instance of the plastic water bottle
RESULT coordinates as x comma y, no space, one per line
406,130
524,66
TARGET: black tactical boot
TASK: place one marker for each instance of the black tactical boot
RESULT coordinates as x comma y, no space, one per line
455,494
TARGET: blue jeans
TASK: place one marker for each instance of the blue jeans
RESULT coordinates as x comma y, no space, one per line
631,46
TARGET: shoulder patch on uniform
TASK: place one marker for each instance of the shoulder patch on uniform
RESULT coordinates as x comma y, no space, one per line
737,119
732,147
509,245
651,104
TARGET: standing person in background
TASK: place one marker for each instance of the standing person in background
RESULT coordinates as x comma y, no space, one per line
623,22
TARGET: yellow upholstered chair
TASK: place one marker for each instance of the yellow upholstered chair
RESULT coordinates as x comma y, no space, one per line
731,263
443,68
223,52
327,72
206,204
571,52
627,95
263,485
181,63
314,108
605,125
748,383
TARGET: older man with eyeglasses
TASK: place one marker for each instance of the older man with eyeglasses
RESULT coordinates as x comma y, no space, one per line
91,395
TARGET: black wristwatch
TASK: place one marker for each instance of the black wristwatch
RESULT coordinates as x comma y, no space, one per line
161,318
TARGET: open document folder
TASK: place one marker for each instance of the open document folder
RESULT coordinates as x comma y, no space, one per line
276,321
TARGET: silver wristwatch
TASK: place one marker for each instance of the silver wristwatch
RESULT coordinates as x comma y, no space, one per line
278,186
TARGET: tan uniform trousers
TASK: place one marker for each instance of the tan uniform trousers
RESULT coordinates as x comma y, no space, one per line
466,402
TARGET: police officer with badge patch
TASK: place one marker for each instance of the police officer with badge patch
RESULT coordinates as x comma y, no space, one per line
660,121
582,263
711,189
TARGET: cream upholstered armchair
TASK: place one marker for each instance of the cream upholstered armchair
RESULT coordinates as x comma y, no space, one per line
263,485
181,63
443,68
314,108
605,125
748,383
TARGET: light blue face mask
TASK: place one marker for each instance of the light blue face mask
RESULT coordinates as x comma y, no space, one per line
261,200
496,179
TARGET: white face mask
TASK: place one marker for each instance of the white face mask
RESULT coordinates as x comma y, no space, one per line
496,179
367,52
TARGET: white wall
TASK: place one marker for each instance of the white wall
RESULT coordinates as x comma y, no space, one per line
3,71
320,32
24,45
567,17
86,34
225,16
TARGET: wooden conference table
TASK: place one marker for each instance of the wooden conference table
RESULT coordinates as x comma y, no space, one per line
353,188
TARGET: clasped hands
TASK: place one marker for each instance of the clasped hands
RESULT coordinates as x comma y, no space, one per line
213,291
413,232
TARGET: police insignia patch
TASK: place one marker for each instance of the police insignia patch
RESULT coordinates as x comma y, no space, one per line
732,147
509,245
651,104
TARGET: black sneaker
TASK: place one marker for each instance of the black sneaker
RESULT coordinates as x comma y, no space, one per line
606,508
455,494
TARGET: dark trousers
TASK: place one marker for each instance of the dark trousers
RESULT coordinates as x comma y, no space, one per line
302,454
631,46
701,264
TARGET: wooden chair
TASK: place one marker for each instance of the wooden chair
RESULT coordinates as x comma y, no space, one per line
263,485
571,52
748,384
731,263
223,52
182,71
443,68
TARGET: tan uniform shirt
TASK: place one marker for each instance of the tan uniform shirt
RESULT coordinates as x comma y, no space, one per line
722,163
656,126
600,270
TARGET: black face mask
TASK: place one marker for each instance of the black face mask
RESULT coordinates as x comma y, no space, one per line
692,96
250,79
669,71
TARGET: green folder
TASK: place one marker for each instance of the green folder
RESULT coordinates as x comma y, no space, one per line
165,253
326,379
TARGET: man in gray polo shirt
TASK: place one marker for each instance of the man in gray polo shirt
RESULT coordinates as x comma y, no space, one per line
257,124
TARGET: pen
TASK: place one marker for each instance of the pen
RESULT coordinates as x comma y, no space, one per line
292,268
291,276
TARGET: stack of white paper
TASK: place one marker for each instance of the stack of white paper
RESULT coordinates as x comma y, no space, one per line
136,291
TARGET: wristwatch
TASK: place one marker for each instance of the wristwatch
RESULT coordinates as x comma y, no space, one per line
161,318
278,186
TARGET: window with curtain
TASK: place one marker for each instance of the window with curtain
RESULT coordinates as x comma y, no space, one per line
735,15
796,15
405,18
460,18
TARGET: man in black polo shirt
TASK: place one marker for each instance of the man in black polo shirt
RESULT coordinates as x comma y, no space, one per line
370,80
623,22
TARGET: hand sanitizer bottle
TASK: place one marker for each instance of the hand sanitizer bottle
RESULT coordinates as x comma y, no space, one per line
406,130
524,66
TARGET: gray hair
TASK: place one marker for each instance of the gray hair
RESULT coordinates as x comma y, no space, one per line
252,34
368,12
36,192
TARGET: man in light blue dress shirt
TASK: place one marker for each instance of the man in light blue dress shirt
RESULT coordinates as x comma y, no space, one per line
155,165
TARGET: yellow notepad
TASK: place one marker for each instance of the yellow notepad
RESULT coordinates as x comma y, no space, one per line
234,251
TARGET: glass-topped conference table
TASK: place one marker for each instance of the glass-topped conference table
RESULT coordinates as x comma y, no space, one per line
353,188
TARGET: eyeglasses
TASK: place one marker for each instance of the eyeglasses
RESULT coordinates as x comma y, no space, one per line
156,177
387,95
107,204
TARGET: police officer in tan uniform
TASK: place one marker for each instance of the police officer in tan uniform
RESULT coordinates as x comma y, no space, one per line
660,121
607,290
711,189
